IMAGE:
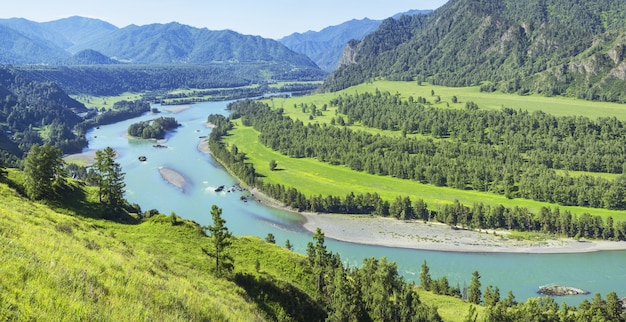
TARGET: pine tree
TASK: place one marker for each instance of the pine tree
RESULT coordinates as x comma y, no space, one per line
43,170
474,289
288,245
110,177
425,278
220,240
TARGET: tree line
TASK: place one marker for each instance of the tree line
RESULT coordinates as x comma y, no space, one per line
373,292
113,80
45,177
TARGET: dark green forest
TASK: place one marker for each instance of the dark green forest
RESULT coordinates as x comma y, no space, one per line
550,47
514,153
113,80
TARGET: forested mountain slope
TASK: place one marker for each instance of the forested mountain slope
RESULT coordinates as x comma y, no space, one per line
63,33
30,108
17,48
552,47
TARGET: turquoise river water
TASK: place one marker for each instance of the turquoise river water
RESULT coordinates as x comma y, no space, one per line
598,272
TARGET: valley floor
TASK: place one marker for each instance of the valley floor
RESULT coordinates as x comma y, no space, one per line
390,232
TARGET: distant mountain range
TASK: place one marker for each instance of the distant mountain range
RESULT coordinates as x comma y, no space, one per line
85,41
325,47
551,47
55,42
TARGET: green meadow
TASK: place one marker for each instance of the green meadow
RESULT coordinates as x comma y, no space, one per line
106,102
559,106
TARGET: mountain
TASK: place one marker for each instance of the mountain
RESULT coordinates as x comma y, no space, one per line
78,30
89,57
552,47
17,48
177,43
28,42
27,105
63,33
325,47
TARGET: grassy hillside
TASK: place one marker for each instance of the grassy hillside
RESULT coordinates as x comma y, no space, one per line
61,262
56,266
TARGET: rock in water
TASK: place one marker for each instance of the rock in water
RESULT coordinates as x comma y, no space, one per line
557,290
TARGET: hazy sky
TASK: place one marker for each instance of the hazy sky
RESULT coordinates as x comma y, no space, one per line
267,18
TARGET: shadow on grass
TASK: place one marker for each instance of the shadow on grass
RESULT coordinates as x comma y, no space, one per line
271,295
72,199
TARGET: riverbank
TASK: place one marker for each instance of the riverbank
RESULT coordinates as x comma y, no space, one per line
440,237
390,232
379,231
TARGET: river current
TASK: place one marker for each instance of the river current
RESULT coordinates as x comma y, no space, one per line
599,272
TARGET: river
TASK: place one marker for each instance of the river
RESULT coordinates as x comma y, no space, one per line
598,272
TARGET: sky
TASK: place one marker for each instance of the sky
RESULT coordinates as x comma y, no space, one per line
267,18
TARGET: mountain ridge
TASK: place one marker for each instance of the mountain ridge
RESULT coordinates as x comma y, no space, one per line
172,43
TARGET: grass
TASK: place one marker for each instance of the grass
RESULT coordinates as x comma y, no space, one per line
559,106
281,84
576,174
450,308
312,177
57,266
106,102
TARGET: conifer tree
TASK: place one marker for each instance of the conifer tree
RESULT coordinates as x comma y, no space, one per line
110,177
220,240
474,289
43,169
425,278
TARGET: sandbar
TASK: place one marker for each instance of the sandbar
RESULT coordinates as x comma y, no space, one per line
203,146
174,178
85,158
177,108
